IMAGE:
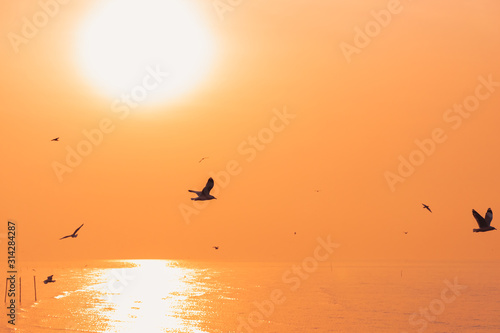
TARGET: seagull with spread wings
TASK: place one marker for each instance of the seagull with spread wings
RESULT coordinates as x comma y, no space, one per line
49,279
426,207
74,234
484,223
205,193
55,139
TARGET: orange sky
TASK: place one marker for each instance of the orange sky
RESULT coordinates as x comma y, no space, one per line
351,116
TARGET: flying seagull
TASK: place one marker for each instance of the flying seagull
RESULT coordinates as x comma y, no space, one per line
74,235
202,159
406,232
49,279
426,207
215,247
205,193
56,139
484,223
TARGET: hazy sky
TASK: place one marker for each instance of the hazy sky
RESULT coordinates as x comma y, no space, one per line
325,118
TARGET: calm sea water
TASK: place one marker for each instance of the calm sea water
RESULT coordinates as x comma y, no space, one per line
181,296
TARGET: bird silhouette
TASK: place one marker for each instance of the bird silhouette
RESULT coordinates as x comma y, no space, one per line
55,139
484,223
202,159
49,279
426,207
73,235
205,193
215,247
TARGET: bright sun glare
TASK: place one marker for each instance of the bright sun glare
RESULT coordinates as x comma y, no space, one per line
123,41
148,297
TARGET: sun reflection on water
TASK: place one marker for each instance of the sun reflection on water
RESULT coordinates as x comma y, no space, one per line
147,297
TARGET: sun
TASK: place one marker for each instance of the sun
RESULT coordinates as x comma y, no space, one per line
160,48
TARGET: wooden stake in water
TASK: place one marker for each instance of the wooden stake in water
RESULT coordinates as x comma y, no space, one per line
34,283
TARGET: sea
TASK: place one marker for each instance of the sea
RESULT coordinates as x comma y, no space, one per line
149,296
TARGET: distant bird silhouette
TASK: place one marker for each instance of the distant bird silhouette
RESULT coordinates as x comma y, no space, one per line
205,193
202,159
56,139
73,235
484,223
426,207
294,232
49,279
215,247
406,232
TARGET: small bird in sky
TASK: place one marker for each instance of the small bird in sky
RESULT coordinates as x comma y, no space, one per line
295,232
484,223
215,247
205,193
426,207
55,139
202,159
73,235
406,232
49,279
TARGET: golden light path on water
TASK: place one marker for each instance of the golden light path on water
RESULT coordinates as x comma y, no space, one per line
148,297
